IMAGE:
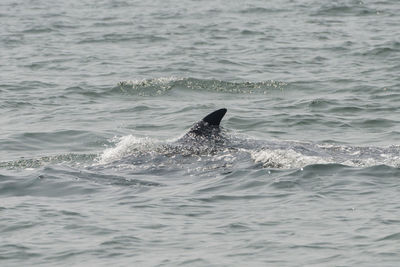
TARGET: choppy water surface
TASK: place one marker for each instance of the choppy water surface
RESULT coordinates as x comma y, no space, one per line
96,94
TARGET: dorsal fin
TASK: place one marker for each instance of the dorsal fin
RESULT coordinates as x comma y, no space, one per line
214,118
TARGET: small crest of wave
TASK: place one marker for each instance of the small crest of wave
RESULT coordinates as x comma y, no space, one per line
160,86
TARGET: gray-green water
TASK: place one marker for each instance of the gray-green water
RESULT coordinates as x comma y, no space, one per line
94,95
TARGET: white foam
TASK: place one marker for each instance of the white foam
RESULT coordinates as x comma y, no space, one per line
369,162
125,146
286,159
364,156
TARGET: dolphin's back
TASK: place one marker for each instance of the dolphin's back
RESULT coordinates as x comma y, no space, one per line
206,129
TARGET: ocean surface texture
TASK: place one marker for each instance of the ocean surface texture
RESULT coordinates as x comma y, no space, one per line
95,95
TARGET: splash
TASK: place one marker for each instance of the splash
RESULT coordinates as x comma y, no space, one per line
125,146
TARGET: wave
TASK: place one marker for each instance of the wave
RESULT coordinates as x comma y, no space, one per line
123,37
341,9
160,86
34,163
261,10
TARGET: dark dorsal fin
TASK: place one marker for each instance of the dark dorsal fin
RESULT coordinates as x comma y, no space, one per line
214,118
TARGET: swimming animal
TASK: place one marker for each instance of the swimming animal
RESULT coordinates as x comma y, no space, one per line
206,130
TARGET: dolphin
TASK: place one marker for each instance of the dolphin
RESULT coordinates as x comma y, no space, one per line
205,130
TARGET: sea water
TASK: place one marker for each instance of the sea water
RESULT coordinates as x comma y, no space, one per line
94,96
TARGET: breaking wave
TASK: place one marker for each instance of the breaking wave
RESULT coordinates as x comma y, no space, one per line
160,86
